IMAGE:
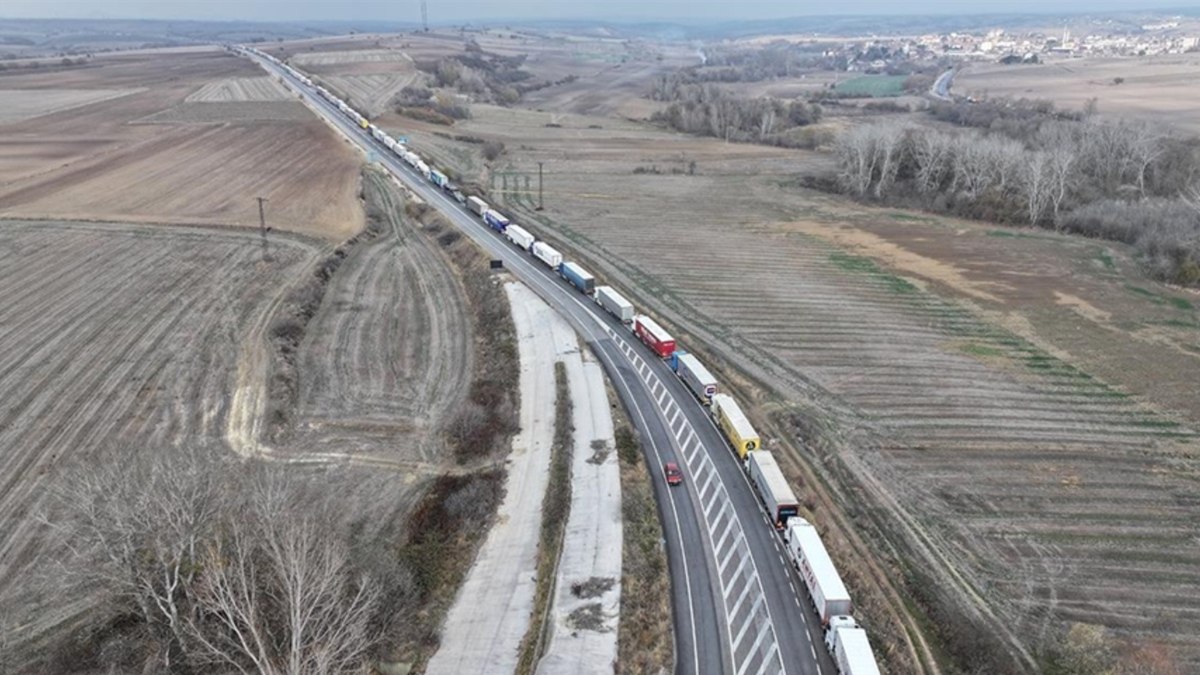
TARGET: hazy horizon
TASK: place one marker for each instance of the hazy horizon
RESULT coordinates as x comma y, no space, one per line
444,11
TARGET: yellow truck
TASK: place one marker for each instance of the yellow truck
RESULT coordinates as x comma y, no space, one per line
363,123
733,423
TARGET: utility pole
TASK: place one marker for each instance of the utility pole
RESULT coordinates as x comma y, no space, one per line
262,225
424,15
539,208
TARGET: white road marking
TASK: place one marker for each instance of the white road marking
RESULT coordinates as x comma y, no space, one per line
762,635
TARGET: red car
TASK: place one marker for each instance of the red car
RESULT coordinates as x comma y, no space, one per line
674,475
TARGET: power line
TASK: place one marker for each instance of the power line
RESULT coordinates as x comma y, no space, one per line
425,15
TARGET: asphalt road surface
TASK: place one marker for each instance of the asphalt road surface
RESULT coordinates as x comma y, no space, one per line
739,606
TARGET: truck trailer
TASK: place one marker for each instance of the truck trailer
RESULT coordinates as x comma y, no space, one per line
477,206
547,254
693,373
847,643
495,220
653,336
733,423
808,554
517,235
578,277
772,487
438,178
614,303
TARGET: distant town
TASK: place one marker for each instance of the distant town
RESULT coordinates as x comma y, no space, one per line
1169,37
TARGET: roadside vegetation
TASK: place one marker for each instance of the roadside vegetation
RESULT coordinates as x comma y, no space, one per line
556,508
1127,181
644,636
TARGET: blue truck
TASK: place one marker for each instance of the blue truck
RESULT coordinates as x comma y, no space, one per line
495,220
578,277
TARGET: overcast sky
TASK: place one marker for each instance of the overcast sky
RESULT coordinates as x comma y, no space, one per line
466,10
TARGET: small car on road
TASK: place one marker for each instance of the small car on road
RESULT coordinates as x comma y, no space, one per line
673,474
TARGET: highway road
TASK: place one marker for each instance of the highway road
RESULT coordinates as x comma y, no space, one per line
739,606
941,86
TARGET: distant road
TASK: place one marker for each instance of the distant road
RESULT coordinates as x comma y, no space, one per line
941,86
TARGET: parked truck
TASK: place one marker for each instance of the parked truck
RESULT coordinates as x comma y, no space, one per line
653,335
614,303
438,178
808,554
772,487
699,381
517,235
577,277
547,254
733,423
422,168
847,643
495,220
477,206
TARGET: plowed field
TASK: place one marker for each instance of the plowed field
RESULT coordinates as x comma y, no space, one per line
117,335
1026,458
201,163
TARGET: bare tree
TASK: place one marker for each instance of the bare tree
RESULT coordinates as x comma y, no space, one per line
889,148
933,155
857,157
1037,186
1145,144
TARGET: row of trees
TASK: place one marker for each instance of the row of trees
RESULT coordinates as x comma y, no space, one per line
1045,176
707,110
212,564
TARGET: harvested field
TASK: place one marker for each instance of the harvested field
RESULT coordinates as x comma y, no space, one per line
241,89
118,335
201,163
978,411
388,359
18,104
333,58
1156,88
372,93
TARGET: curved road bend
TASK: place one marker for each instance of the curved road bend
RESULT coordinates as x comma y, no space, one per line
739,607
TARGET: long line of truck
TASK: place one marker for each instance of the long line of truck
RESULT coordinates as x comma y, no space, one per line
845,639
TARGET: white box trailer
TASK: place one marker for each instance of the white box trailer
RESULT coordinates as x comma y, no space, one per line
422,168
390,143
772,487
518,236
547,254
825,587
851,650
614,303
697,378
477,206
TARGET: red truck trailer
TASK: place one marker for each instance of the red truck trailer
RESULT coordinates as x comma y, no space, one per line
657,339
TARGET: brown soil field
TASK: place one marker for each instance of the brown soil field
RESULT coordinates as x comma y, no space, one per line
1020,404
241,89
1155,88
118,335
387,361
17,105
372,92
331,58
201,163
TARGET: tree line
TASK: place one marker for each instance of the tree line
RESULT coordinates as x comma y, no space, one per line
1123,180
707,110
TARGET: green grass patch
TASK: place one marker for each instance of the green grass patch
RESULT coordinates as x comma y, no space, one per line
1181,303
854,263
874,86
908,217
976,349
1106,260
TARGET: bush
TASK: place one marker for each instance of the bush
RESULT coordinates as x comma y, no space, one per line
492,150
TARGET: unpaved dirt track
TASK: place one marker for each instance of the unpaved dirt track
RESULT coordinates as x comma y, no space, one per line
116,335
388,359
1038,489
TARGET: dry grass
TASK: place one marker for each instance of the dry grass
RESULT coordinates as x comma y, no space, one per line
21,104
644,638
